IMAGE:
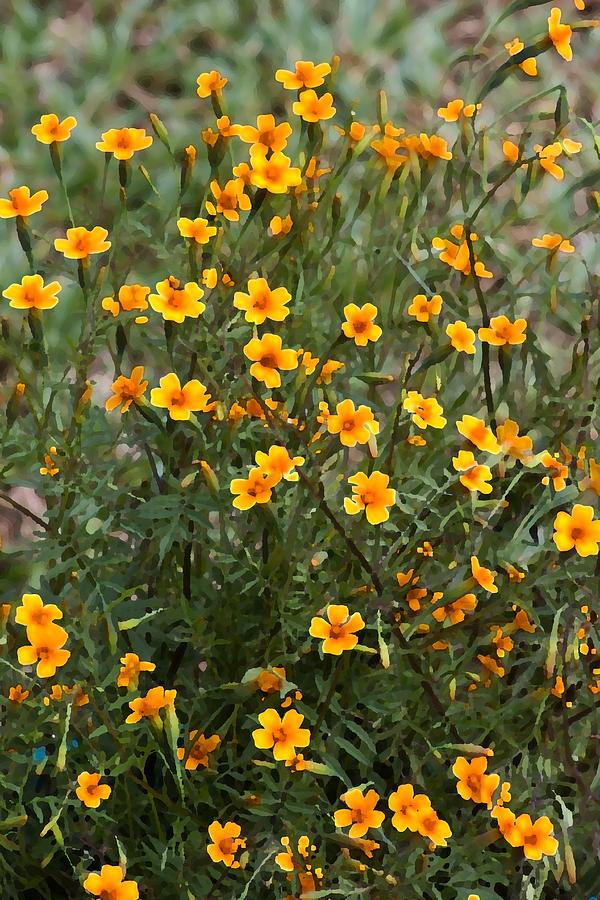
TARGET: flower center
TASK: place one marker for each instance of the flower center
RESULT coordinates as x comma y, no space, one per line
348,425
359,326
268,361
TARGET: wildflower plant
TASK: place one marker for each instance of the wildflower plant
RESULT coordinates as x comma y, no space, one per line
299,459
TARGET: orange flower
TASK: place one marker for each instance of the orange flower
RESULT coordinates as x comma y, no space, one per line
33,611
474,477
149,706
407,807
200,747
280,226
456,610
577,529
305,75
339,633
510,151
560,35
90,791
387,148
261,303
503,643
273,173
127,389
16,694
229,199
109,885
32,293
554,243
50,467
529,66
210,83
256,488
180,401
425,410
473,784
434,147
281,735
502,331
431,826
129,672
371,493
50,129
226,842
535,837
510,442
22,203
461,337
354,426
278,463
457,256
422,308
547,157
267,133
361,813
476,431
197,230
451,112
46,642
268,356
331,366
175,301
359,324
271,681
484,577
81,243
313,108
124,142
559,471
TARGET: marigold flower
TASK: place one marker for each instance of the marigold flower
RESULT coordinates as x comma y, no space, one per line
430,825
32,293
535,837
371,493
17,694
197,230
210,83
124,142
282,735
359,323
81,243
354,426
256,488
529,66
176,301
274,173
560,35
226,842
50,129
305,75
387,148
46,642
229,199
200,747
109,885
452,111
127,389
502,331
133,296
313,108
262,303
90,791
268,356
22,203
434,147
278,463
422,308
457,256
426,411
559,471
554,243
361,813
472,783
577,529
407,806
33,611
339,633
476,431
461,337
455,611
474,477
484,577
148,707
280,226
180,401
271,681
267,133
511,444
129,672
510,151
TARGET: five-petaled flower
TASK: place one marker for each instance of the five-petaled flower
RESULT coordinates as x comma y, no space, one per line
33,611
273,172
282,735
175,301
354,425
423,309
262,303
197,230
50,129
256,488
278,463
359,324
32,293
228,199
407,807
148,707
425,411
361,813
502,331
210,83
268,357
305,75
313,108
45,648
22,203
180,400
129,673
109,884
473,784
266,133
226,842
339,633
90,791
577,529
124,142
81,242
371,494
127,389
198,750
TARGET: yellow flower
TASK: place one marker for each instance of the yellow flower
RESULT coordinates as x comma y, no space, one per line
529,66
272,172
267,133
262,303
313,108
484,577
229,199
45,648
511,444
226,842
210,83
90,791
339,633
278,463
305,75
361,813
33,611
560,34
256,488
473,784
476,431
461,337
474,477
554,243
578,530
268,356
148,707
502,331
32,293
510,151
175,301
359,323
127,389
22,203
422,308
129,673
81,243
124,142
200,747
372,494
180,401
354,426
50,129
17,694
425,410
407,807
197,230
109,885
282,735
280,226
